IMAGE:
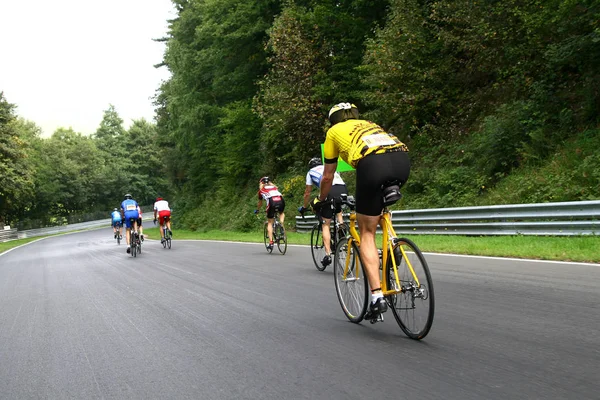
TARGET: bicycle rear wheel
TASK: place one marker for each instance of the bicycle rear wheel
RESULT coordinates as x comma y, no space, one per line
317,246
281,237
414,307
133,245
352,288
118,239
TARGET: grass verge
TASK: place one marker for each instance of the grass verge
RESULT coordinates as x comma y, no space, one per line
17,242
580,248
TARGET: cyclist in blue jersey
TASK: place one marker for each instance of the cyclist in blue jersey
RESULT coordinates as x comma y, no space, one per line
129,211
338,188
116,222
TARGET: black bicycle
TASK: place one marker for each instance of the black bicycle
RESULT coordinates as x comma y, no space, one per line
134,238
117,234
167,236
279,236
338,231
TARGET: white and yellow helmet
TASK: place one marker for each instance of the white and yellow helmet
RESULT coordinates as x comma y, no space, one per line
342,112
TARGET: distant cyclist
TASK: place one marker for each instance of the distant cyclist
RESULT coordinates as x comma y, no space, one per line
116,222
378,157
129,212
338,188
162,210
139,223
268,191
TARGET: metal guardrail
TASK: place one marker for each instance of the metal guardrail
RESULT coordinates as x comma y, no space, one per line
73,227
8,234
543,219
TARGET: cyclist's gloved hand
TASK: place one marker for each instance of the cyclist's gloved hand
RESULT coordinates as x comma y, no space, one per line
316,204
255,211
301,209
154,221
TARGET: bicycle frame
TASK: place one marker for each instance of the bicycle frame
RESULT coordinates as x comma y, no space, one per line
389,235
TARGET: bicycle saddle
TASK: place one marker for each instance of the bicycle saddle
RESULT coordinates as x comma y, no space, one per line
391,192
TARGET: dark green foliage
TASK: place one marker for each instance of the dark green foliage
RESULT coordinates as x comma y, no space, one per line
16,183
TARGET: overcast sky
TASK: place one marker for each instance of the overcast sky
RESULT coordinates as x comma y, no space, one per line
62,62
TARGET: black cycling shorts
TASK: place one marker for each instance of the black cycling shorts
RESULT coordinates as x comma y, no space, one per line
139,222
335,193
373,171
273,206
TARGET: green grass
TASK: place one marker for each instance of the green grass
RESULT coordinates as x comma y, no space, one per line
581,248
17,242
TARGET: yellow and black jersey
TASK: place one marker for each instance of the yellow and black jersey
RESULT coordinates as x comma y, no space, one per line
355,138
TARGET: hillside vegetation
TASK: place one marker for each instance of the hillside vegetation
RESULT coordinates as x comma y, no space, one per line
498,102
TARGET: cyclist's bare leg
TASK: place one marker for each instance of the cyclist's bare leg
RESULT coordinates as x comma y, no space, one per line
368,248
128,236
281,218
327,235
340,218
169,224
162,233
270,228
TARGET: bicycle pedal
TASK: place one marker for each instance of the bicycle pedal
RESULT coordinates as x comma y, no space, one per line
379,318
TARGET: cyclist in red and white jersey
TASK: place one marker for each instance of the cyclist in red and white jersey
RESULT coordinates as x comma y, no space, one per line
268,191
162,210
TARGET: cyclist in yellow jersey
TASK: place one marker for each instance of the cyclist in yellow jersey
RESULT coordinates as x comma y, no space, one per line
378,157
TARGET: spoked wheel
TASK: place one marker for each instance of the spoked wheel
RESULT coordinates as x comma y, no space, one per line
414,307
139,245
267,238
281,238
118,239
169,242
317,247
164,239
350,281
133,246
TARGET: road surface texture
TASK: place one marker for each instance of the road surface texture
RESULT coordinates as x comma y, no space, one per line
81,319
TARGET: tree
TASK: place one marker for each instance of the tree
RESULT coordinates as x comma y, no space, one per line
16,183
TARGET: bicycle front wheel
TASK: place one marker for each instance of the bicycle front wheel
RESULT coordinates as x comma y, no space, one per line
414,305
350,281
267,238
281,238
317,247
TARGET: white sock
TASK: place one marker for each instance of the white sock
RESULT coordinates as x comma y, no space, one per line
375,296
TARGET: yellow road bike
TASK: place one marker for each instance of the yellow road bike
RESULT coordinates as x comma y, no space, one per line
405,278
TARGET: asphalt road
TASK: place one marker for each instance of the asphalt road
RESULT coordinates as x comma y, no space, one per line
79,318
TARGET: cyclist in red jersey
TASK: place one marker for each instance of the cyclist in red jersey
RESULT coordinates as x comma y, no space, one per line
268,191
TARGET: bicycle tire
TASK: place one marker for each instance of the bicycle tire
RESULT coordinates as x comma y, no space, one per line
317,246
281,238
352,291
118,239
133,245
414,307
267,239
164,238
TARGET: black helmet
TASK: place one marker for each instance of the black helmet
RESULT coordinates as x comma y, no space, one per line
342,112
128,196
314,162
264,179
